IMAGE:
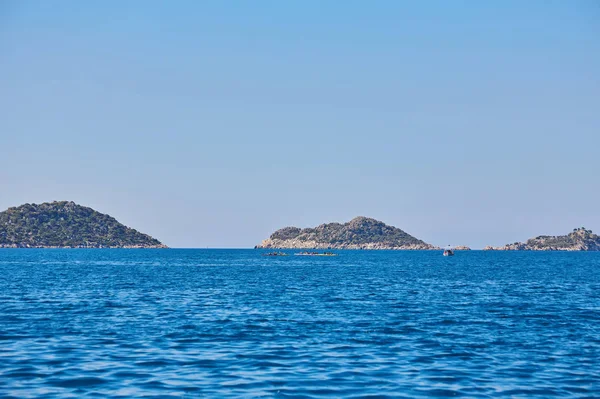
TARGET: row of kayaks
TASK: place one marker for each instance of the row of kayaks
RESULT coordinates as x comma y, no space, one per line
315,254
301,254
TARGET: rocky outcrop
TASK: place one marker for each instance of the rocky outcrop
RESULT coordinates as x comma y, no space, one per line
578,240
64,224
462,248
359,233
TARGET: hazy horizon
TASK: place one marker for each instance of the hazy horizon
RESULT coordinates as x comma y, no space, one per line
214,124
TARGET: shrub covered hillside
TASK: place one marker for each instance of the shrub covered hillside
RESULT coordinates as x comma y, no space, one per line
359,233
65,224
579,239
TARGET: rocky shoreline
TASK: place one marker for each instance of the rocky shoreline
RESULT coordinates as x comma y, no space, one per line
295,244
162,246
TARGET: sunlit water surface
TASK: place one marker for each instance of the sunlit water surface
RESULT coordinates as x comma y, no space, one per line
216,323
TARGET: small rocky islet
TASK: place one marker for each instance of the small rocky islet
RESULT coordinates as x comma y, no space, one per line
359,233
580,239
65,224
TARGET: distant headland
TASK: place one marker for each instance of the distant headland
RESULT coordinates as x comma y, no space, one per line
359,233
579,239
64,224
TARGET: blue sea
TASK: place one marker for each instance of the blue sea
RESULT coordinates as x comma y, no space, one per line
232,323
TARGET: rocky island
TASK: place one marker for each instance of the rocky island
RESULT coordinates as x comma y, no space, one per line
359,233
579,239
462,248
64,224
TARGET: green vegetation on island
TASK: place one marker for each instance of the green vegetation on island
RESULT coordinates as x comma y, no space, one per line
64,224
359,233
579,239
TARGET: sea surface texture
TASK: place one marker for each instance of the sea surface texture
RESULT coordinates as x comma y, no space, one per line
233,323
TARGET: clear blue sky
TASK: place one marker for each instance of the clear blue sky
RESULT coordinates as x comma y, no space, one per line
215,123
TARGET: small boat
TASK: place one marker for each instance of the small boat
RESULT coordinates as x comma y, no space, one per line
449,251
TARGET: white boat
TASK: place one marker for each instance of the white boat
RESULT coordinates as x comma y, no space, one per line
449,251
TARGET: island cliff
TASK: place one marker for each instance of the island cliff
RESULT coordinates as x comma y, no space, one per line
578,240
63,224
359,233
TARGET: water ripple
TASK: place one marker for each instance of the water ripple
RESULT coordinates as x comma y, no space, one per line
198,323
